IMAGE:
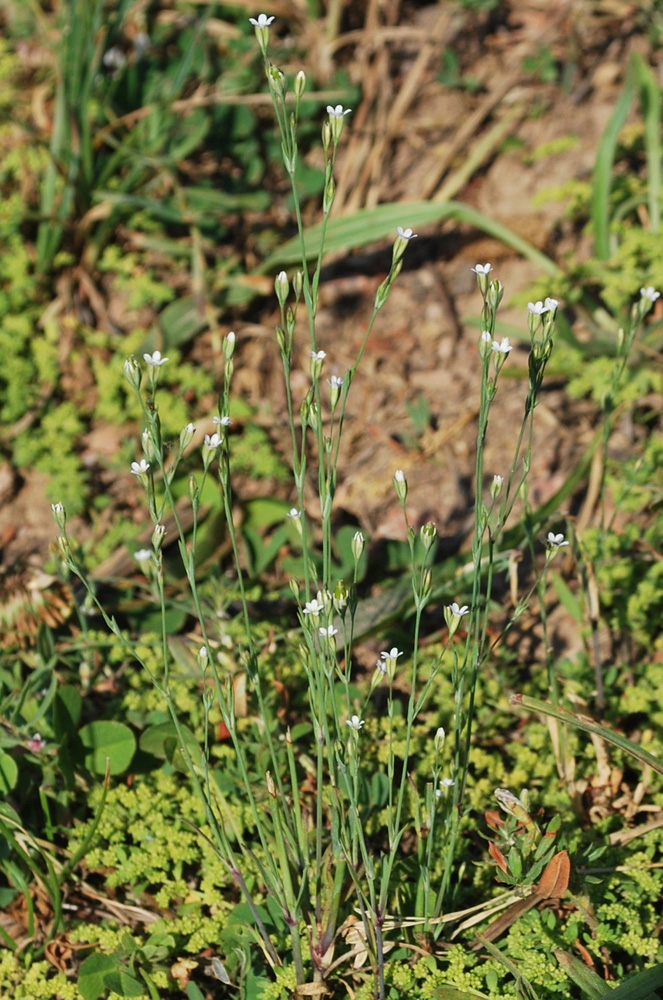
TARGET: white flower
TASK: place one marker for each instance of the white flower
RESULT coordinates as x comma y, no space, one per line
497,481
447,783
458,612
143,555
555,541
355,723
551,304
57,508
294,513
212,440
262,21
328,632
318,355
399,476
314,608
336,382
381,665
338,112
650,293
482,268
222,421
486,337
537,308
155,360
501,347
406,234
392,655
139,468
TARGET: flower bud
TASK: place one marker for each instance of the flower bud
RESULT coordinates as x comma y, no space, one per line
428,535
400,485
358,543
281,287
59,514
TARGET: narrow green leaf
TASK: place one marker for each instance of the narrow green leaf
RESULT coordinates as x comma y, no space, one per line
379,223
603,170
587,726
641,986
585,978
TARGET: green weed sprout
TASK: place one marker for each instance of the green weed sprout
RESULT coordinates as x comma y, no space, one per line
320,858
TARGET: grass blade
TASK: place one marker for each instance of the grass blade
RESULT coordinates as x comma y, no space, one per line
588,726
603,169
373,224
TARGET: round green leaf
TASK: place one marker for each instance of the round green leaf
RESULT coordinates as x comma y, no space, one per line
103,740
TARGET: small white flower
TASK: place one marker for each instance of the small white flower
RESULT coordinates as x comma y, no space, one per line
355,723
143,555
154,360
381,665
497,481
57,508
650,293
482,268
555,541
537,308
318,355
329,632
392,655
314,608
551,304
501,347
338,112
447,783
294,513
222,421
406,234
336,382
262,21
212,440
399,476
457,611
139,468
486,337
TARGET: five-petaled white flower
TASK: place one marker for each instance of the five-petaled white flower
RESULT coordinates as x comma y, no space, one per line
555,541
482,268
537,308
139,468
457,611
155,360
550,303
406,234
318,355
328,632
262,21
212,440
314,608
338,112
391,655
650,293
294,513
222,421
336,382
355,723
399,476
143,555
501,346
